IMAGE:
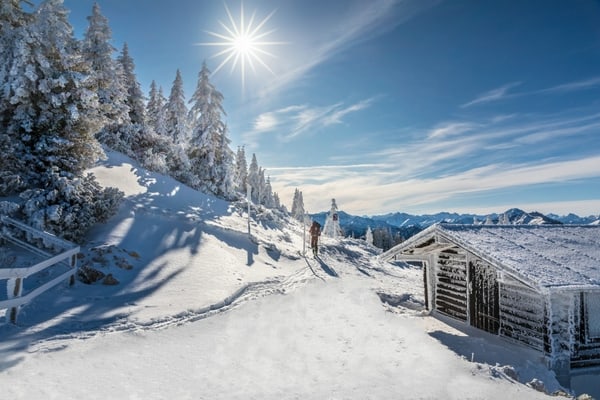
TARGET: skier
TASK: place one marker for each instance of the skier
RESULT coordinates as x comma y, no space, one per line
315,232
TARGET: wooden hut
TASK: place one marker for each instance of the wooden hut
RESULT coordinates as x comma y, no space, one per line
538,285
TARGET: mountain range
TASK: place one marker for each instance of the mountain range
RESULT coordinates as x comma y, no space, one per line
408,225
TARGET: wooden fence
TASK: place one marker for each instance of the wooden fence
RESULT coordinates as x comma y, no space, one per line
53,249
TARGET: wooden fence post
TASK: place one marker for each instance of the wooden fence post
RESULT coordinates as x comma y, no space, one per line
74,266
14,291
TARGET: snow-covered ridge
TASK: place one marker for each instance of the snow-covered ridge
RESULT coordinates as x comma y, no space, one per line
408,225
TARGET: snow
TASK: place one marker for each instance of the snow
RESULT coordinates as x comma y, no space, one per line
204,312
552,256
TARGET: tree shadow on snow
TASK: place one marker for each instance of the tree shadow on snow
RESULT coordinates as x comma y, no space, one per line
82,311
168,217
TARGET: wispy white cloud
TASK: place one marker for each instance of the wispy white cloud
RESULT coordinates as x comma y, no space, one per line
451,129
266,122
503,92
377,193
290,122
573,86
453,161
336,116
492,95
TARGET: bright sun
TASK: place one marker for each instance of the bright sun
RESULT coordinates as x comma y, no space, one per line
244,43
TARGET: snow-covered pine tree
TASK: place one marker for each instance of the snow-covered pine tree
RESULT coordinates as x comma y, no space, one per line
55,118
154,145
177,126
369,235
276,201
241,170
155,110
254,179
69,207
332,226
294,210
135,96
298,205
225,168
57,109
210,156
108,74
14,36
261,186
269,201
160,125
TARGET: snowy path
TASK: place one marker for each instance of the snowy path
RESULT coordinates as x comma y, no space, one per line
328,339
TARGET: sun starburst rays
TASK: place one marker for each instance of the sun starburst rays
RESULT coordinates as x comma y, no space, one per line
244,43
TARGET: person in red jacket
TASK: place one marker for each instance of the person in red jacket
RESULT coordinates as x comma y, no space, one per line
315,232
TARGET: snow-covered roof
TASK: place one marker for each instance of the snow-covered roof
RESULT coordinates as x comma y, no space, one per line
547,256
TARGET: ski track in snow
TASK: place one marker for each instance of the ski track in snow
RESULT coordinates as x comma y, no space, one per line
317,268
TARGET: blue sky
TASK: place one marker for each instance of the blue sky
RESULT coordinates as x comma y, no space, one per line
386,105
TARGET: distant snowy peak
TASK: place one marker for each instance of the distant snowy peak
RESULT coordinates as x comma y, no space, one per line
408,224
516,216
512,216
573,219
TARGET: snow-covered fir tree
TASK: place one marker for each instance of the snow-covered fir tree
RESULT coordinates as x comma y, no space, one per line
225,168
262,190
55,117
254,179
241,170
298,205
14,38
155,110
108,74
135,96
269,200
369,235
332,226
176,123
57,111
276,201
210,156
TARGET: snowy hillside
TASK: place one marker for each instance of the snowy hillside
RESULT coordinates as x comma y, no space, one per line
202,311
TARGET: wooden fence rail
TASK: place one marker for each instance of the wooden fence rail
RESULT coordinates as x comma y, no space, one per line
18,234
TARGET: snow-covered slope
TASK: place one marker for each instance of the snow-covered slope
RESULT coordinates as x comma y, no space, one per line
203,311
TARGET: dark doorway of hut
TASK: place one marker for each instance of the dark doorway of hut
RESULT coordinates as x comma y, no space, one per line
483,297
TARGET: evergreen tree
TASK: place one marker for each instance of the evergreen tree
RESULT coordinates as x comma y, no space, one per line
14,45
55,117
225,168
155,110
254,179
241,170
332,226
269,200
176,123
108,74
160,125
135,97
210,156
298,205
57,109
276,200
369,235
261,186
